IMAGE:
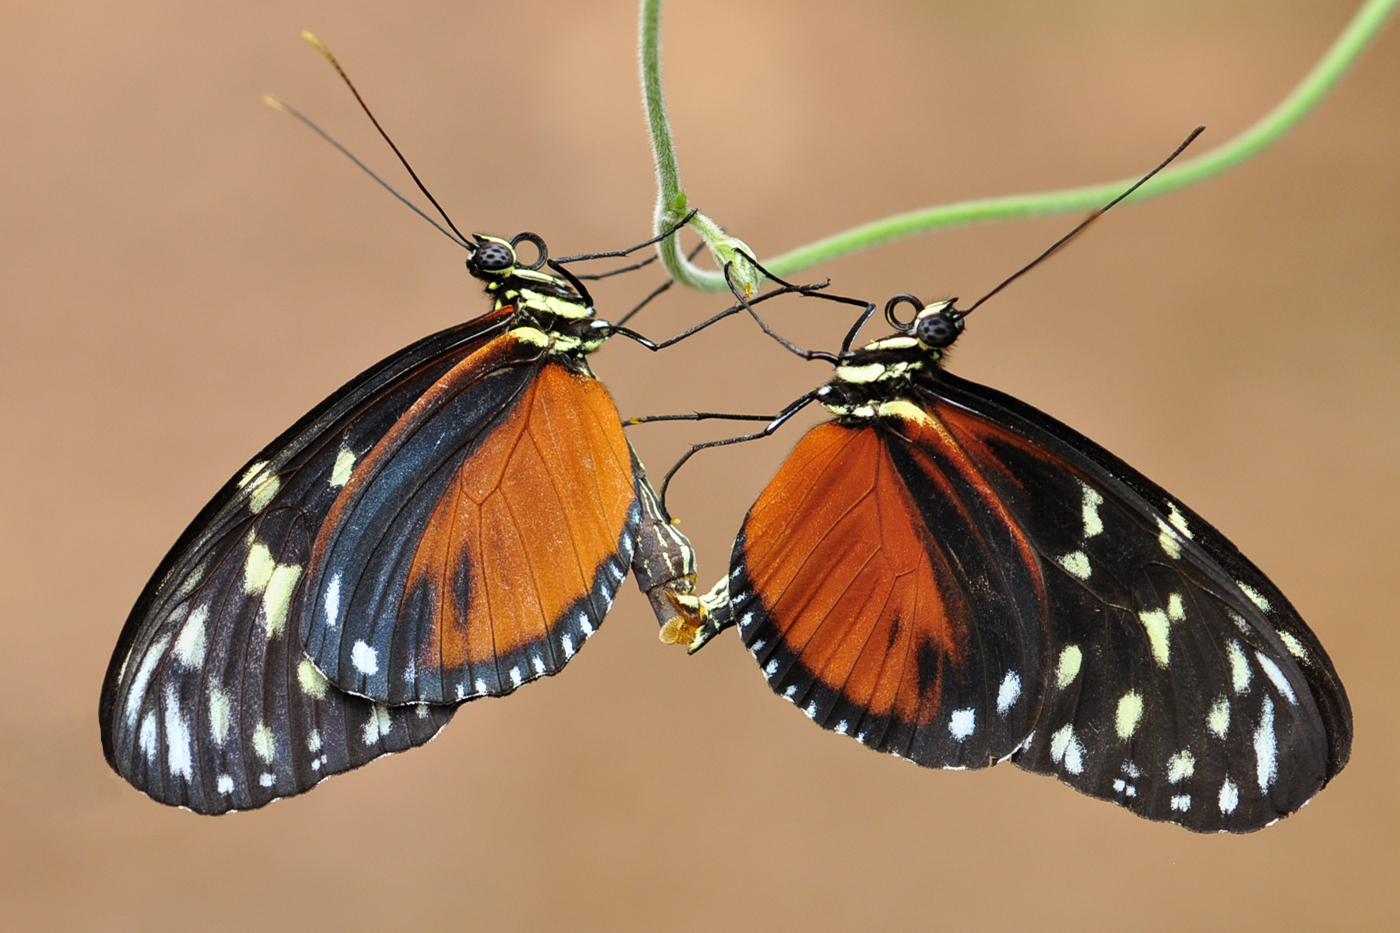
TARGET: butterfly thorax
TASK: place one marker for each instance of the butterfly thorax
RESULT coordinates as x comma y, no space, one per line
876,381
548,311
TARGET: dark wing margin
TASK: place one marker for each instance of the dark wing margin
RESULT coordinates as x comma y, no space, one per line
1183,685
483,539
207,703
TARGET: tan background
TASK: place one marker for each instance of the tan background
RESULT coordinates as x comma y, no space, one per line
185,272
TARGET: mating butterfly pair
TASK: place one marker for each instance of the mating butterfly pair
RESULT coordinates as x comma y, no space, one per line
942,572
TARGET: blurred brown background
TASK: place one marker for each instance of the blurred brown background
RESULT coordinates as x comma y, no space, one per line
185,272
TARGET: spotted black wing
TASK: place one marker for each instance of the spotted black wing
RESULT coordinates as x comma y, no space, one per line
1180,683
209,702
482,540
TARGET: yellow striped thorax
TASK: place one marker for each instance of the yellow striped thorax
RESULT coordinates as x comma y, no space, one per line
876,381
549,310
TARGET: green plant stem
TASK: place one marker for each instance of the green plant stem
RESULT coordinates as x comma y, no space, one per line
1354,39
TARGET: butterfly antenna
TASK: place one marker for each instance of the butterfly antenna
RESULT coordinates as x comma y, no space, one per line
291,111
1086,221
321,47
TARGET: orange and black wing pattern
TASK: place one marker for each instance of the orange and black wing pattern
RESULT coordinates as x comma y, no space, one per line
209,702
482,540
964,579
890,598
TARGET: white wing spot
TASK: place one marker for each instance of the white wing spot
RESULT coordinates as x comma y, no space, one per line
225,784
1158,626
1067,668
538,663
257,568
1218,719
1266,747
149,740
344,466
771,669
1178,520
585,624
1092,500
788,693
1076,564
1131,770
331,603
264,493
1255,596
365,658
251,472
1181,803
1129,714
264,742
1176,608
962,723
267,779
1239,667
811,710
277,598
1280,680
177,737
313,682
220,714
137,693
190,646
1009,692
378,724
1180,766
480,686
756,647
567,644
516,677
1119,785
1294,646
313,741
421,710
1167,538
1065,746
1229,796
841,727
746,620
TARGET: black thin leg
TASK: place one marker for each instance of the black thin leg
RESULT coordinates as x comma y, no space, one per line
573,280
618,253
855,328
809,291
659,290
773,426
696,416
789,345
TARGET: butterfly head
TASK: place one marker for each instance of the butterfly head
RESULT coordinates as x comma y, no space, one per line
934,326
544,297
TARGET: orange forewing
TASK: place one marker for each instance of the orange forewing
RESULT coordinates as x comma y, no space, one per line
847,568
532,515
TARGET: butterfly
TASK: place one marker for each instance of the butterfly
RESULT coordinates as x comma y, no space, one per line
954,577
451,524
949,575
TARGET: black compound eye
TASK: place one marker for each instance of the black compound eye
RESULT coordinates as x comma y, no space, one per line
494,257
938,330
